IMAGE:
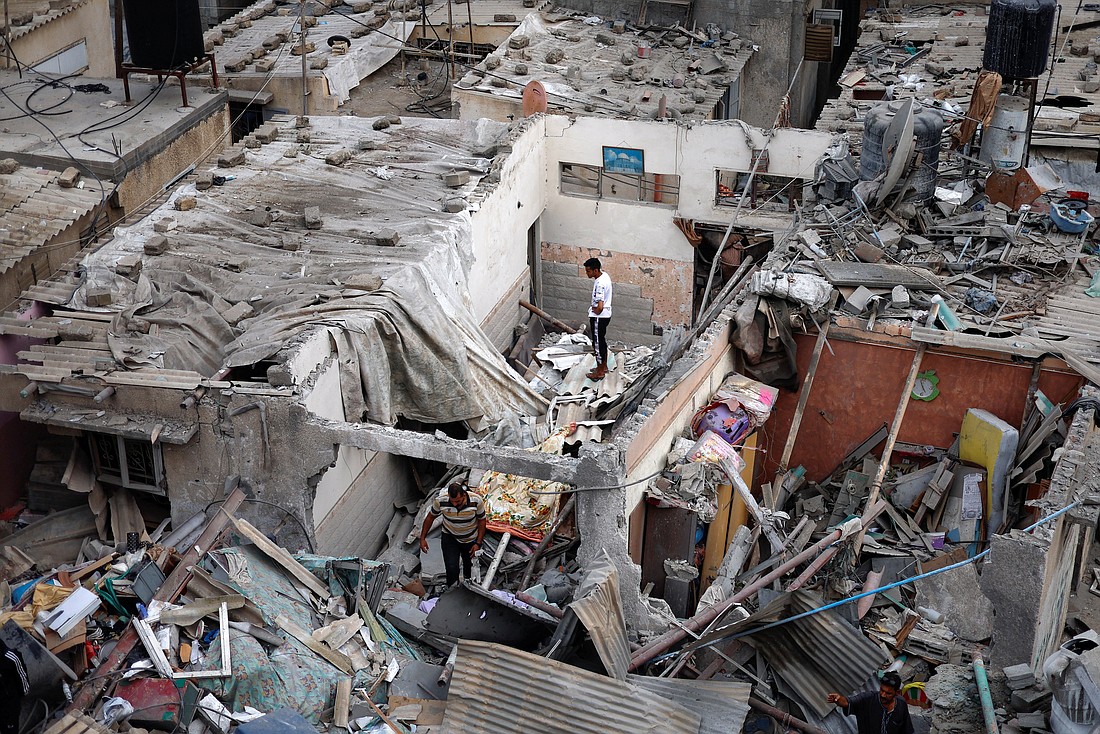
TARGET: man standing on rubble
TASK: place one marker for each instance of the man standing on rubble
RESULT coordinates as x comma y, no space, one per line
884,712
599,314
463,514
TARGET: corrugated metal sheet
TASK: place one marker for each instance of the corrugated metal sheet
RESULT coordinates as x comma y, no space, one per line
600,610
722,705
815,655
498,690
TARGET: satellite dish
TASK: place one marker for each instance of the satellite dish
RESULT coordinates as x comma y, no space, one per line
897,147
534,98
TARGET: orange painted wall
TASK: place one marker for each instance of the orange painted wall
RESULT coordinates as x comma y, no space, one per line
859,386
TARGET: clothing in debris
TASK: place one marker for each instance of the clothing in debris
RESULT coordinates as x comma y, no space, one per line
459,522
14,686
873,718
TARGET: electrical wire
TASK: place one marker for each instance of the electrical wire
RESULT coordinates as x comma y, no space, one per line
289,514
612,486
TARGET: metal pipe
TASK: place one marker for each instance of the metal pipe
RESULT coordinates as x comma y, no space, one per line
982,682
503,546
542,606
784,718
30,389
566,511
708,615
547,317
104,394
813,568
448,668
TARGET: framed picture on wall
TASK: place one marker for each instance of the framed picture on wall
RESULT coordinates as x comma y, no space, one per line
623,160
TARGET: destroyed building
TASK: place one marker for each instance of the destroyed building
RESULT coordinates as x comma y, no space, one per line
586,70
849,428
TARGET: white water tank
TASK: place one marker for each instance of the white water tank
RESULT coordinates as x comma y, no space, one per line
1004,139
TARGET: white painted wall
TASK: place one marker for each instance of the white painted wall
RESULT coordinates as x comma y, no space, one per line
694,153
500,225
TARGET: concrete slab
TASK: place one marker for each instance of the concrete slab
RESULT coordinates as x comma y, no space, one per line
957,595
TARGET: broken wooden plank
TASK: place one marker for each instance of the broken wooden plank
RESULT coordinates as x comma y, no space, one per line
341,711
196,610
284,559
339,660
876,275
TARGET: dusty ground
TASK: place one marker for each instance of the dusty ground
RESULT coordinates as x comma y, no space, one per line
390,90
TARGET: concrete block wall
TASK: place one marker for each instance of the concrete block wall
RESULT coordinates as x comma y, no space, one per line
356,525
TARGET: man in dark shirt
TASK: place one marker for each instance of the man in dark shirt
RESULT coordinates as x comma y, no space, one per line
884,712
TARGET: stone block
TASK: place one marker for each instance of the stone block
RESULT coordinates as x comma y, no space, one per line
9,165
1030,699
554,55
238,313
272,42
453,206
504,18
265,65
605,39
129,266
296,50
364,282
456,179
338,158
232,157
957,595
259,218
521,69
156,245
318,62
492,62
97,296
381,124
868,253
236,263
519,41
257,52
185,203
360,6
1032,720
384,238
366,144
304,136
1013,579
68,178
204,180
313,217
266,133
250,142
619,27
164,225
235,66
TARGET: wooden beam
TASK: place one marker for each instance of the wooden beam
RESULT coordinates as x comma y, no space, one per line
804,393
338,659
281,557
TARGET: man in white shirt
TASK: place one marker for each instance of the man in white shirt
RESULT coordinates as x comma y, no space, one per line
599,314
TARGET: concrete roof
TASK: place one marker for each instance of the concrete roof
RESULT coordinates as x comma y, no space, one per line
243,246
955,35
591,77
34,208
27,15
264,34
135,132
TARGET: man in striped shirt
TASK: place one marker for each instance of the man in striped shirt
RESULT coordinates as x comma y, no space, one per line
463,514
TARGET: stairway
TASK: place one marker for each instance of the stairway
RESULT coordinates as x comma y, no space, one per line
567,294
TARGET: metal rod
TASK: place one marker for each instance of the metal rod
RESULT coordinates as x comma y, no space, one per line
503,546
982,682
566,511
785,720
305,67
451,37
542,606
548,318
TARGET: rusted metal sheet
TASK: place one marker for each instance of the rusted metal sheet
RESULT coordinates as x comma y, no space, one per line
499,690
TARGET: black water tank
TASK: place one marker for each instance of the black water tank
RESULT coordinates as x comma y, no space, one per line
1017,39
163,34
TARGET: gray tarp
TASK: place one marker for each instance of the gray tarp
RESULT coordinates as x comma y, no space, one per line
411,348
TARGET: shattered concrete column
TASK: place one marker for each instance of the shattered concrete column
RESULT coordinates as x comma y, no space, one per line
601,522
